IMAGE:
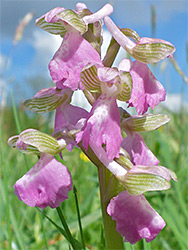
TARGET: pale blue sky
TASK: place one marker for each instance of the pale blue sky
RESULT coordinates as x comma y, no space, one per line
32,54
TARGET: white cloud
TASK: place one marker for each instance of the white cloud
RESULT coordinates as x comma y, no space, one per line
45,46
174,102
2,61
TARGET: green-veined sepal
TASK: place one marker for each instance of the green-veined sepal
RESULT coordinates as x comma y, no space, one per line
131,33
47,100
52,28
124,159
32,141
137,184
73,19
26,149
142,123
126,86
140,179
59,20
152,52
89,78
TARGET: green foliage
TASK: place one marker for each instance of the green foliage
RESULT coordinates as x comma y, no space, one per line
25,228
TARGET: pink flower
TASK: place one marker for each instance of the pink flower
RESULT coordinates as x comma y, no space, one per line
135,218
45,184
147,91
140,154
74,53
103,127
69,118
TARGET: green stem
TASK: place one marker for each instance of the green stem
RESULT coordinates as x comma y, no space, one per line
79,218
113,239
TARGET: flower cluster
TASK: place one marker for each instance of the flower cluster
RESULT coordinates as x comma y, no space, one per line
77,64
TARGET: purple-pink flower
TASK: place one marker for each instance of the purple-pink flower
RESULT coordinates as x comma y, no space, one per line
103,127
147,91
135,218
45,184
139,153
74,53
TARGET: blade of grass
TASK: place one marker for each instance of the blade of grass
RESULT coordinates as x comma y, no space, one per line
51,221
147,246
74,243
174,220
86,220
16,117
6,192
17,232
18,126
79,218
43,230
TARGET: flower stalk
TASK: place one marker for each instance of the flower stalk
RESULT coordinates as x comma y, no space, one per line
113,240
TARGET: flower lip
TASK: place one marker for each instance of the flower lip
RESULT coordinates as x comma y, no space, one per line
45,184
135,218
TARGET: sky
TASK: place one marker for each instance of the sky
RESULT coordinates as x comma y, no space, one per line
24,67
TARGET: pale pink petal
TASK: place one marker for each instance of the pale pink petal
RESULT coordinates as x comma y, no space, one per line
103,126
45,184
140,154
74,53
80,6
106,10
51,16
135,218
147,91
